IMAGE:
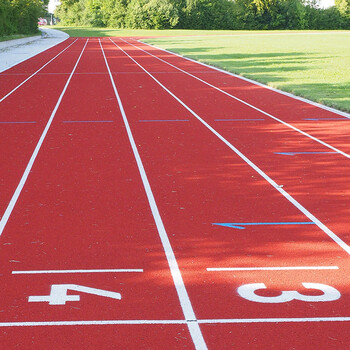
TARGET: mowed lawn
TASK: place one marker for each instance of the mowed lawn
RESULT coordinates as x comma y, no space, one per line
315,65
311,64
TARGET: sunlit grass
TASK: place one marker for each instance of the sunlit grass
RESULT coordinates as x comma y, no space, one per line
315,65
312,64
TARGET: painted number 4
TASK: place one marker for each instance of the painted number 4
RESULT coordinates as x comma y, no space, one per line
59,296
247,291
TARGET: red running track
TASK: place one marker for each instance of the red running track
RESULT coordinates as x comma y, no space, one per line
143,208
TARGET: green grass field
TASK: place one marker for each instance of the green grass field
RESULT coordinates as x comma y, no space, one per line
312,64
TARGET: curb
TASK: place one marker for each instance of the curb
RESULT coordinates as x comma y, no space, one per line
16,51
15,42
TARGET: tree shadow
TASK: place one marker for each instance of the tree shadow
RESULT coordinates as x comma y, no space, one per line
268,68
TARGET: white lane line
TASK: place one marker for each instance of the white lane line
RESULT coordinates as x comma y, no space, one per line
249,105
282,268
25,175
33,272
90,323
23,82
276,320
173,322
327,108
307,213
184,299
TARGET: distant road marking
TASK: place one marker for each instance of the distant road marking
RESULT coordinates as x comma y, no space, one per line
165,120
295,153
240,225
87,121
283,268
17,122
75,271
344,118
237,120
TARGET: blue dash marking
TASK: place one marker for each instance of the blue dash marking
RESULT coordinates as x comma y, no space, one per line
170,120
235,120
344,118
87,121
17,122
241,225
295,153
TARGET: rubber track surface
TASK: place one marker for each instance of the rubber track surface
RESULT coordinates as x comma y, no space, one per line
234,188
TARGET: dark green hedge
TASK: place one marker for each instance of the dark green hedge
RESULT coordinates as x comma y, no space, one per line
20,16
205,14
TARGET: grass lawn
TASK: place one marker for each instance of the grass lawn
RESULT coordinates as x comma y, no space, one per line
312,64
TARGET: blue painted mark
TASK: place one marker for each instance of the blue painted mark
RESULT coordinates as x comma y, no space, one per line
170,120
17,122
344,118
87,121
236,120
241,225
295,153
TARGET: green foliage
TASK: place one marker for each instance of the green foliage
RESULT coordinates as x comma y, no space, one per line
204,14
113,13
207,14
20,16
343,6
6,26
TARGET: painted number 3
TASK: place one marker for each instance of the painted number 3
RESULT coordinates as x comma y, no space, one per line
247,291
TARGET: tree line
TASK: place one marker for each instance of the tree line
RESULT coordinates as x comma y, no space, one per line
20,16
205,14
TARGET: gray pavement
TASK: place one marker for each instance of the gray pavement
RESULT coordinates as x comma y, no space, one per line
16,51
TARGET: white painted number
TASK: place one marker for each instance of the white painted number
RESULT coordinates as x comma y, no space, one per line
58,295
247,291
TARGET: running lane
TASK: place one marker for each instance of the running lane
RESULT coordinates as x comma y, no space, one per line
318,179
238,240
25,113
11,78
327,125
82,264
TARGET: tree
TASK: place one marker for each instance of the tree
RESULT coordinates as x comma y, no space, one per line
208,14
20,16
151,14
113,13
343,6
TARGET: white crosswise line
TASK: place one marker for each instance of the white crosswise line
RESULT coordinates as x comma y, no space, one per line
248,104
174,268
282,268
25,175
172,322
312,218
276,320
34,272
23,82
